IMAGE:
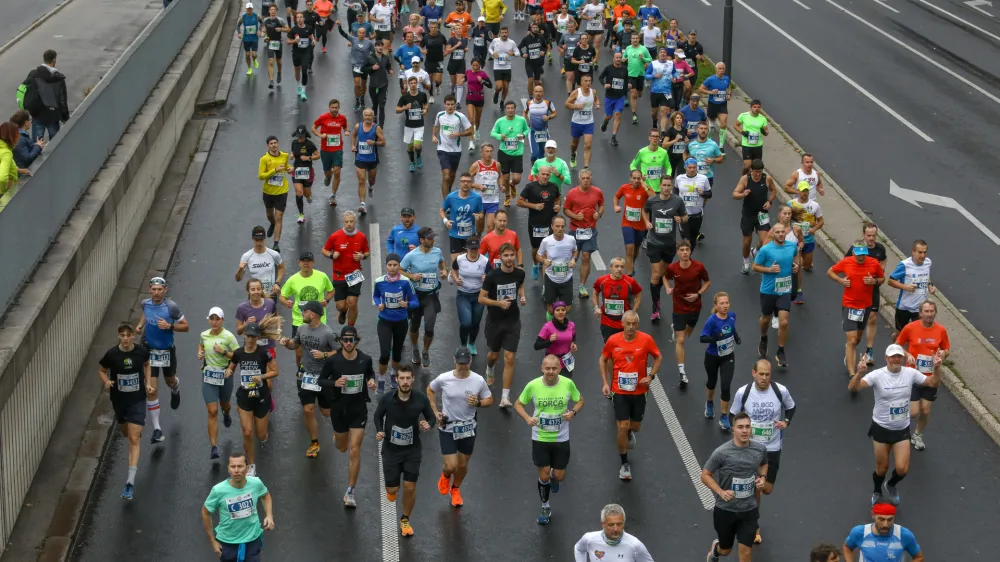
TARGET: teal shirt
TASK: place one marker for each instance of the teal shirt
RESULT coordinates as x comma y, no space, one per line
559,165
238,519
511,128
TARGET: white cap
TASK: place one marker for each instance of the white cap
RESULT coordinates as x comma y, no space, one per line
415,59
482,18
249,5
895,349
216,311
551,144
679,52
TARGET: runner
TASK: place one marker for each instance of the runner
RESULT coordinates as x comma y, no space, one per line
638,58
559,173
615,294
812,220
912,277
252,25
661,215
324,23
434,49
752,125
424,84
652,36
720,335
583,101
301,38
771,411
538,114
480,35
347,247
461,19
584,206
485,180
734,472
869,233
558,254
263,263
690,282
551,395
304,286
462,393
806,173
414,103
238,536
273,28
382,16
635,194
468,271
533,48
674,140
304,152
215,346
255,309
361,47
659,73
881,540
425,268
331,128
455,51
378,68
394,297
757,190
543,201
861,273
614,77
431,12
460,212
612,539
502,50
707,154
490,245
477,79
161,318
653,162
693,115
680,81
399,412
493,14
567,48
402,238
367,137
791,218
584,59
450,126
776,263
273,170
695,189
593,14
924,340
503,290
718,87
253,396
890,429
625,359
558,337
510,130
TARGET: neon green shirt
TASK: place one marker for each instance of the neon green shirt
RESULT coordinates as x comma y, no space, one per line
226,341
560,165
301,289
237,507
511,128
752,126
638,58
655,165
550,402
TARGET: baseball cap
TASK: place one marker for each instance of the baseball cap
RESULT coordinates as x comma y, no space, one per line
860,249
216,311
463,356
472,242
312,306
894,349
348,331
551,144
481,18
252,329
425,232
249,6
804,186
306,256
258,232
415,59
407,212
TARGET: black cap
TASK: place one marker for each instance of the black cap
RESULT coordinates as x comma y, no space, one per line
425,232
312,306
463,356
407,212
252,329
393,256
301,131
258,232
306,256
349,331
472,242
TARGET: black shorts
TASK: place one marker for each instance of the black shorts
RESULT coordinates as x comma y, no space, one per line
510,164
365,165
501,75
276,202
608,331
629,407
568,66
400,463
637,83
713,110
903,317
553,455
558,291
452,446
307,397
657,254
433,66
753,152
348,416
292,5
885,436
685,321
773,463
770,303
475,103
876,299
259,405
300,56
383,35
536,241
456,67
456,245
749,224
659,100
360,75
134,413
534,69
341,291
449,160
732,527
168,371
928,393
851,325
503,335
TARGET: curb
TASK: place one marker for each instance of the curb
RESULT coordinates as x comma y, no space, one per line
968,399
226,80
6,46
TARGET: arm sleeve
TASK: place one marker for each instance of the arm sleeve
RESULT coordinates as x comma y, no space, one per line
899,273
541,343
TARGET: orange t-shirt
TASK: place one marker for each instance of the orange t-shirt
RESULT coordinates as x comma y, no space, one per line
489,246
635,200
323,8
858,295
923,343
623,10
630,361
463,19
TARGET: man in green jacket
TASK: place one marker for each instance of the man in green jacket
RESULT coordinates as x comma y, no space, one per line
510,130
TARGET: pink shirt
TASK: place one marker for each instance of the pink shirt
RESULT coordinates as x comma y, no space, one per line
564,340
475,81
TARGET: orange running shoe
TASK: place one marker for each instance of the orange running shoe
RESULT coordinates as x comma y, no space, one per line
313,450
456,497
444,483
405,528
390,497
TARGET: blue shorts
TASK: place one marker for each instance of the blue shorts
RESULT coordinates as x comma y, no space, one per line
250,45
613,105
576,130
449,160
588,246
808,247
633,236
490,208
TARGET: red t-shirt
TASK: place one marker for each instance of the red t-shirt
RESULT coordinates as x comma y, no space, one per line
923,343
635,200
858,295
550,6
489,246
687,281
630,359
347,245
587,203
617,296
332,129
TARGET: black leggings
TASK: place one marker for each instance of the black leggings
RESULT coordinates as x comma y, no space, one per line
690,229
378,96
391,336
713,365
427,310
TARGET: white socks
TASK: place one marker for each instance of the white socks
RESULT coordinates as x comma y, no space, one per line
131,475
153,407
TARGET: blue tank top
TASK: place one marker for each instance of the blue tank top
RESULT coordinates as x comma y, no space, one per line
367,152
250,27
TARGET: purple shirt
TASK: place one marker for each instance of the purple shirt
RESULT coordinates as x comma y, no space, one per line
562,344
245,310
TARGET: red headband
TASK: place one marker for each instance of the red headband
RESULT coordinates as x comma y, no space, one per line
883,509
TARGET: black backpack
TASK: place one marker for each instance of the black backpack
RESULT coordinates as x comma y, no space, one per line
746,396
27,94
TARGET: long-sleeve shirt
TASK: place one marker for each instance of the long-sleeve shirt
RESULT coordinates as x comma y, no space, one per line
398,297
400,419
401,238
26,150
377,78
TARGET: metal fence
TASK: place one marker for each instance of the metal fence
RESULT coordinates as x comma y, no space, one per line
33,217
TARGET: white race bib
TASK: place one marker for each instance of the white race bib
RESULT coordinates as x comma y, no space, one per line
678,147
617,83
855,314
719,98
743,487
392,300
240,507
277,180
633,214
704,167
274,45
541,136
925,363
463,429
726,346
614,307
303,42
753,137
128,383
584,233
663,225
628,382
333,140
428,282
569,361
302,173
214,377
354,384
549,422
539,231
401,436
763,218
465,228
595,25
365,148
899,410
762,431
654,172
490,188
550,16
534,53
310,381
783,285
354,277
511,145
247,378
414,113
159,358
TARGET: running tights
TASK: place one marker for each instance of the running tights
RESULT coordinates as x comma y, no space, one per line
378,96
391,336
713,366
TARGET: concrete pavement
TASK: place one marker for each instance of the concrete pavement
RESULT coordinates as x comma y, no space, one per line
827,456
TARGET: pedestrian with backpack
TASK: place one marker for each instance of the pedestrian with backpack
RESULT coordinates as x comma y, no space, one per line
43,94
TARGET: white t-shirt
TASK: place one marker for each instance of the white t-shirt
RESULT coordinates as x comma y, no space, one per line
262,266
892,395
455,393
385,13
502,53
687,187
471,272
764,411
592,546
455,123
560,252
650,37
421,76
597,13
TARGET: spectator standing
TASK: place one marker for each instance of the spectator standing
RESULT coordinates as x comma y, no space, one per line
8,169
49,107
27,149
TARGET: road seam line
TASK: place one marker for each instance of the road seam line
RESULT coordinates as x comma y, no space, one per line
801,4
598,262
970,24
886,6
683,445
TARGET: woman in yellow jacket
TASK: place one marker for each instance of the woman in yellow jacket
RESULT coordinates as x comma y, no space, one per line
273,171
9,136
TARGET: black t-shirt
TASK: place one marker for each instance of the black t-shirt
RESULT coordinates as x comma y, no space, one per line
677,149
690,51
587,57
302,152
534,46
662,213
312,20
435,46
479,37
501,285
400,420
358,372
459,53
535,192
754,203
251,364
126,371
272,27
301,35
615,80
415,115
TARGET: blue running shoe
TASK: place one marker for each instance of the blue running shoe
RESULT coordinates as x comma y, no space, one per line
724,422
129,492
535,271
545,516
709,410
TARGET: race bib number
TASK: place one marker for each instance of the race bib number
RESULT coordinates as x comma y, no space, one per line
899,410
511,145
463,430
478,41
503,61
249,30
560,268
633,214
414,114
274,45
303,42
539,231
569,362
663,226
365,148
692,127
310,381
354,384
333,140
490,189
534,53
672,44
925,363
428,282
627,382
719,98
354,277
570,49
302,173
617,83
726,346
541,136
458,54
382,26
549,422
595,25
401,436
761,432
783,285
691,199
247,378
654,172
586,113
392,300
277,180
507,292
753,137
678,147
240,507
614,307
703,168
763,218
465,228
743,487
584,233
214,377
128,383
855,314
497,262
159,358
550,16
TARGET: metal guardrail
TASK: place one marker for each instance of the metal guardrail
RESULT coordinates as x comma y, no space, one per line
33,217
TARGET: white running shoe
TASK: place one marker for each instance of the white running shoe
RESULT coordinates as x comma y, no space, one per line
505,403
774,323
252,471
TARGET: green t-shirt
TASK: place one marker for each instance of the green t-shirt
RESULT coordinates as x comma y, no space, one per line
559,165
551,402
226,341
511,128
238,519
638,58
654,165
752,126
302,289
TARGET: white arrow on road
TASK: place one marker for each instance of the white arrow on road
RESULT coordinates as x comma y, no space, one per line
915,198
976,5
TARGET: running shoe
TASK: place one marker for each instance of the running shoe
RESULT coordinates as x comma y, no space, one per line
572,161
430,99
889,492
917,440
780,358
371,191
631,440
506,200
227,419
413,167
550,58
313,450
711,552
724,422
393,385
270,230
877,498
405,528
614,140
215,452
425,360
324,50
252,470
270,85
709,410
774,323
302,94
249,71
444,484
489,376
416,356
472,146
684,381
349,498
746,268
157,436
175,400
756,538
256,64
583,292
604,126
655,316
129,492
545,516
472,349
869,357
635,119
342,317
762,347
456,497
505,403
301,219
279,77
701,236
362,208
420,162
332,200
276,246
536,270
800,298
625,472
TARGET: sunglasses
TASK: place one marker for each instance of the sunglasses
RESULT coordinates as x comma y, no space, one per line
349,339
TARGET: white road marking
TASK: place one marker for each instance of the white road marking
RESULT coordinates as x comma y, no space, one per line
944,68
705,2
915,198
972,25
801,4
886,6
840,74
683,446
597,261
974,4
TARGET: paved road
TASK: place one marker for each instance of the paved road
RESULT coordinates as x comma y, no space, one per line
860,144
19,14
824,484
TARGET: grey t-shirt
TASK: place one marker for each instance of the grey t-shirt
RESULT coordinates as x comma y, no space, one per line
662,213
322,338
569,40
735,468
360,49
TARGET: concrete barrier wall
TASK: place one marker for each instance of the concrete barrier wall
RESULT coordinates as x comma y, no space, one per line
47,331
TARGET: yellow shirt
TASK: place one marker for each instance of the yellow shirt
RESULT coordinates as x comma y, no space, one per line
493,10
267,171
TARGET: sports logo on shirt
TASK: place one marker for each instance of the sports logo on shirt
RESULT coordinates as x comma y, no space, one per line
599,554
